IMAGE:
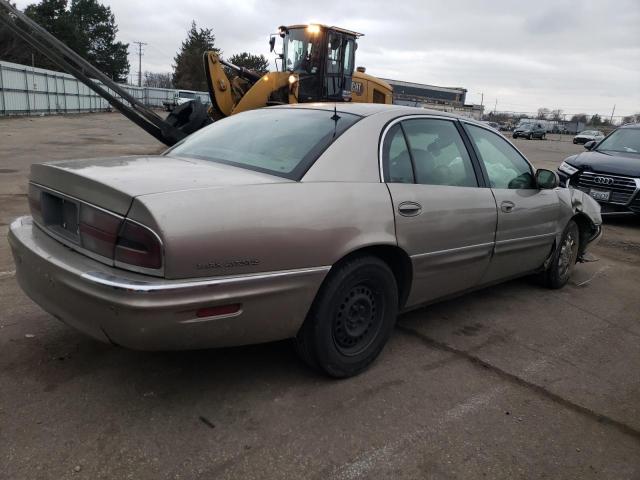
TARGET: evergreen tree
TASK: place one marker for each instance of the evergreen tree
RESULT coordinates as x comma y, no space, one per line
188,69
257,63
86,26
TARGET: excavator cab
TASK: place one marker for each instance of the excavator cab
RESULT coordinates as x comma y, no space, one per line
322,57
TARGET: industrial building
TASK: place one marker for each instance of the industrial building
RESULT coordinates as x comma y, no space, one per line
446,99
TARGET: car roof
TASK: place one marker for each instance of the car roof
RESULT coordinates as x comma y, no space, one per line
367,109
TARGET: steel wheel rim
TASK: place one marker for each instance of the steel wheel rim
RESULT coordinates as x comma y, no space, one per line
357,319
567,255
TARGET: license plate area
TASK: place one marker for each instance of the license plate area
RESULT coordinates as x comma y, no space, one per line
602,195
60,215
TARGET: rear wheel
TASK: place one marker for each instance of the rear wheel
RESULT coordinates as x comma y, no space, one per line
351,318
564,258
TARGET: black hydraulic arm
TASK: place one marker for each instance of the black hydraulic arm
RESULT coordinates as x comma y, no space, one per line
45,43
242,72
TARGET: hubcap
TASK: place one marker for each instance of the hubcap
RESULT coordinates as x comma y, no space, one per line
357,320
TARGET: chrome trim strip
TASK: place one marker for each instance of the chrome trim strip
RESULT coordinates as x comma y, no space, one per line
399,119
119,283
523,239
42,187
452,250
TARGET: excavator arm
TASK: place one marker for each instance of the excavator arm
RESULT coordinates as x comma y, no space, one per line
32,33
248,90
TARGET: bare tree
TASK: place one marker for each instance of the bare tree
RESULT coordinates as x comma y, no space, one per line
543,113
158,80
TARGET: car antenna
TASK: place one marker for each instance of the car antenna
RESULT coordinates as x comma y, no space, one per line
335,117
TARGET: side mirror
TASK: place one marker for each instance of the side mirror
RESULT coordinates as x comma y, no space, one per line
589,145
547,179
272,43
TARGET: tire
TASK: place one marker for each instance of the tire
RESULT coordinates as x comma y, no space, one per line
351,318
564,258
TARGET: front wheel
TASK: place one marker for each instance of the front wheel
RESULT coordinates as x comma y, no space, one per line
351,318
564,258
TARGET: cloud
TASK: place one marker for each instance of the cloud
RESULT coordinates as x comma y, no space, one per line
577,56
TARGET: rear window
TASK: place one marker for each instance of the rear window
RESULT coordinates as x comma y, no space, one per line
280,141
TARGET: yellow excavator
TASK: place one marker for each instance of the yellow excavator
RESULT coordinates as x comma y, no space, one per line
316,65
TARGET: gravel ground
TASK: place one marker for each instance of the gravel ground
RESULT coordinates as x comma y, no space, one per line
513,381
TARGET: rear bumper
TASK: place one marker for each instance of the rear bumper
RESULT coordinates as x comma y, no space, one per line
142,313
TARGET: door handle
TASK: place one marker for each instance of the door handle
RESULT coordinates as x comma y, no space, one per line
507,206
409,209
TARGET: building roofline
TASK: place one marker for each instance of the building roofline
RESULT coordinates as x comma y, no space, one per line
424,85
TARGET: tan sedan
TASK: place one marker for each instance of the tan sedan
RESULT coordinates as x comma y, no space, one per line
313,222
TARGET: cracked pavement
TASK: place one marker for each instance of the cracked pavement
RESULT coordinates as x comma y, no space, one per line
513,381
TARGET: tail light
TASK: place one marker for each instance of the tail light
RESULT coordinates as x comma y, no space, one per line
98,233
138,246
98,230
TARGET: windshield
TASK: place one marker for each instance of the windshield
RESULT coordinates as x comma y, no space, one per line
280,141
624,140
302,51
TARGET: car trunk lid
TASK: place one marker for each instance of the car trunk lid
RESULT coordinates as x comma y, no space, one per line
112,183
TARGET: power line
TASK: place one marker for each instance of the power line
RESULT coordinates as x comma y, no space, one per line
140,45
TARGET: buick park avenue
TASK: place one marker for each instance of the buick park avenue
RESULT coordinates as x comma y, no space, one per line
316,222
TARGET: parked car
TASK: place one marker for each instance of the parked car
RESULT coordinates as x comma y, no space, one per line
588,136
530,131
180,97
609,170
321,228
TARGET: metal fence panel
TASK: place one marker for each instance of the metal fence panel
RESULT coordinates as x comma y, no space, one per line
25,90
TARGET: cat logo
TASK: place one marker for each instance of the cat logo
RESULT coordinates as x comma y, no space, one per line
356,87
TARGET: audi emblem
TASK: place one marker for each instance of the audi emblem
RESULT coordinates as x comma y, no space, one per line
603,180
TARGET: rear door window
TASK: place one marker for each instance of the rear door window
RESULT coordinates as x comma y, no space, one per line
438,153
396,155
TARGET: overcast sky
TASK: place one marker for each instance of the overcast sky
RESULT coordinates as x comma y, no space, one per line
580,56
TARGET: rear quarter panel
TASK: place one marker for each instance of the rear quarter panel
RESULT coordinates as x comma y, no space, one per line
264,228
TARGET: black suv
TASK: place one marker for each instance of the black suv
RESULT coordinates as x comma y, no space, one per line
530,130
609,171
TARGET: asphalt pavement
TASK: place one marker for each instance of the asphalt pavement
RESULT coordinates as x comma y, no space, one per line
513,381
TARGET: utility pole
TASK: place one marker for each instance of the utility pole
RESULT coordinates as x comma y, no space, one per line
495,107
481,105
612,112
140,45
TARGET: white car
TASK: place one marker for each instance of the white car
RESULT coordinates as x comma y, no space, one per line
587,136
